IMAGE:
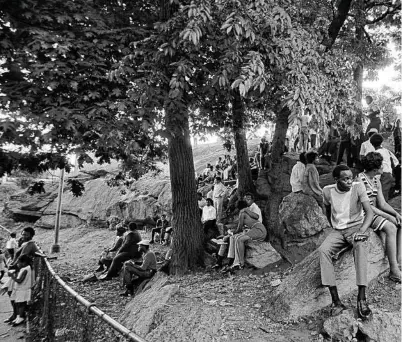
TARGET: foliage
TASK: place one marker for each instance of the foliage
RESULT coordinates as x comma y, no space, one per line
76,187
37,188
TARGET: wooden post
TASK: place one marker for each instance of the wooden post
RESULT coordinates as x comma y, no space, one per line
56,247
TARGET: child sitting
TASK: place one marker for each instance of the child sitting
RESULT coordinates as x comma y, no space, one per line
21,294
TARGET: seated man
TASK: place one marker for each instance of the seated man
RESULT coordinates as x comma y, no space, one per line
346,202
129,250
137,273
160,228
107,256
208,220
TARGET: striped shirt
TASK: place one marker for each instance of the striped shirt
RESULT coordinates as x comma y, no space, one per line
346,207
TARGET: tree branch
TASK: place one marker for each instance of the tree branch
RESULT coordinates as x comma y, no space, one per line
384,15
337,23
367,36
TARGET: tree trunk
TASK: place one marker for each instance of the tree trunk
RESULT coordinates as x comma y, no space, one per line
243,165
277,185
187,236
360,19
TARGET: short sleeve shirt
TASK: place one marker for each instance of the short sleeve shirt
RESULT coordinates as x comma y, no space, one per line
149,262
346,207
255,209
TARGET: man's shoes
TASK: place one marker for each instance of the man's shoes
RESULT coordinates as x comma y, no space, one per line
18,321
363,310
216,266
105,277
225,269
100,269
337,308
395,278
9,319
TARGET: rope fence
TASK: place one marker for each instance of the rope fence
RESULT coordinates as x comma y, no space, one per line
58,313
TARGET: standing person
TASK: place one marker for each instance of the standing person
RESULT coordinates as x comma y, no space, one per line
397,138
263,150
161,225
296,177
311,181
387,179
219,192
107,256
386,220
28,246
349,213
366,146
129,250
21,294
345,145
303,138
2,265
12,245
313,133
373,115
133,272
208,220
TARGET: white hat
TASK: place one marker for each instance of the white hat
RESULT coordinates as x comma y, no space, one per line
143,243
373,130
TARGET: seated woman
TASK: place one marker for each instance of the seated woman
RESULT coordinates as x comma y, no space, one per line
310,183
256,232
386,221
107,256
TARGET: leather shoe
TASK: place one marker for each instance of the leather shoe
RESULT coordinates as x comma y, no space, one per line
363,310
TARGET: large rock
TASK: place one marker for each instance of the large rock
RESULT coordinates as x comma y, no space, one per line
301,216
301,292
261,254
382,327
141,312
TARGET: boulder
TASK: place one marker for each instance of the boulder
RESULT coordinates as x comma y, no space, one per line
261,254
66,221
301,216
382,327
141,312
305,281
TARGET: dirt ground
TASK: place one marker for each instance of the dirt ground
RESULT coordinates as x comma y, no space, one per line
239,298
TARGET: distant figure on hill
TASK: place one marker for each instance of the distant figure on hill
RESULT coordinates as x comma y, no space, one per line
296,177
161,226
263,150
366,146
219,193
201,202
304,131
208,220
12,245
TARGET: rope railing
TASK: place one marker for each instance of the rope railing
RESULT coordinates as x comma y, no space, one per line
58,313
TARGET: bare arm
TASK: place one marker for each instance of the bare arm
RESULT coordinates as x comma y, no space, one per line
252,214
19,279
328,214
368,217
241,222
384,209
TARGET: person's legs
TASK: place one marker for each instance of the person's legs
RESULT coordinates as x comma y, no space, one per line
391,248
153,232
240,250
331,245
341,151
117,264
218,206
387,181
313,138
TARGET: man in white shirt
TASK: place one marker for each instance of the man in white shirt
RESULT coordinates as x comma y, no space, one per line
201,202
253,210
219,192
296,177
208,220
387,179
366,146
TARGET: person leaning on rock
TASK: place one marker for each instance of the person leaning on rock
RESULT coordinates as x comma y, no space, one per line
346,202
133,272
129,250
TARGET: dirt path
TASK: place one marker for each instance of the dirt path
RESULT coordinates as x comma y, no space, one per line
7,332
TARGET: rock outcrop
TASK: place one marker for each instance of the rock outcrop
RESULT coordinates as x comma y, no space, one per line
261,254
141,312
301,216
382,327
301,293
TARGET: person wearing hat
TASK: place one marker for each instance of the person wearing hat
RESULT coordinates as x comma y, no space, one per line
133,272
107,256
366,146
